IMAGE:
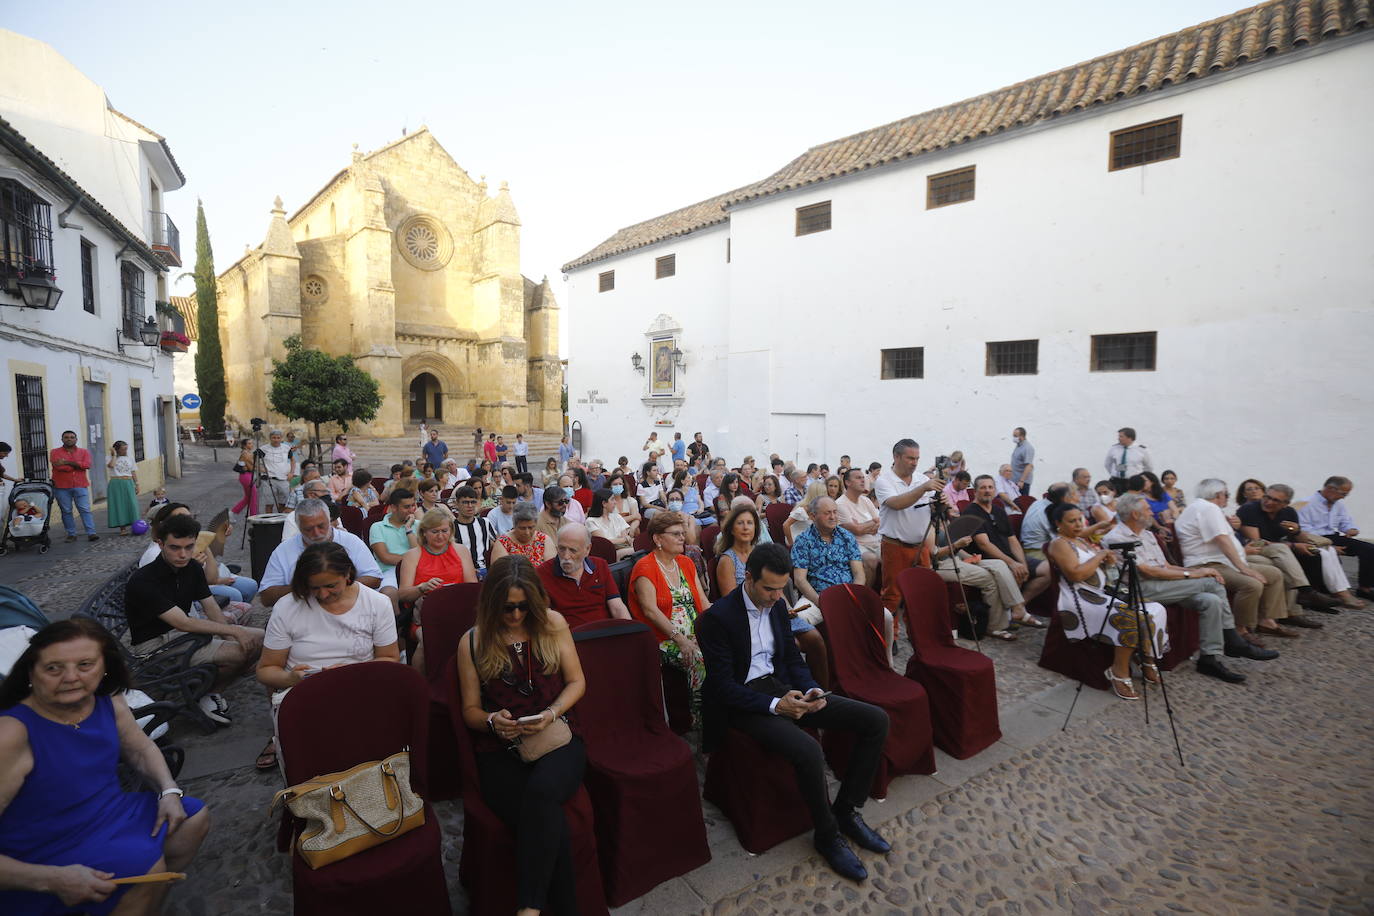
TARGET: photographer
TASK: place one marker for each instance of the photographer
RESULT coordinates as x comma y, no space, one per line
276,467
903,498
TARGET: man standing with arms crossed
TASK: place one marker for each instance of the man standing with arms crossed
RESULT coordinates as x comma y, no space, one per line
903,497
69,465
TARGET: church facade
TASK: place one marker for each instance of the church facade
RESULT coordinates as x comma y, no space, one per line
405,262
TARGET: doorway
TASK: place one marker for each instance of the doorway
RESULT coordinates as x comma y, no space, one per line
798,436
426,398
93,394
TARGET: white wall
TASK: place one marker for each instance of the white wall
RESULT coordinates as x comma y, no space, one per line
1248,255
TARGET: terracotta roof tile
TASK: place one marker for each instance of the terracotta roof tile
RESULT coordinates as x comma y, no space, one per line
189,309
1269,29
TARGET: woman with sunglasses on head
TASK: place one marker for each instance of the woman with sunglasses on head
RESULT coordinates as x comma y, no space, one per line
437,562
668,595
519,674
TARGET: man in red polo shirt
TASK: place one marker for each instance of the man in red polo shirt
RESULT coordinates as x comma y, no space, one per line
580,586
69,465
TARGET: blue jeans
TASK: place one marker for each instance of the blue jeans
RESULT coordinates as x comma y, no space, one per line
82,497
243,589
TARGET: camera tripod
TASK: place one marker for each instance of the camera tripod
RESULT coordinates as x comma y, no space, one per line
939,521
1134,603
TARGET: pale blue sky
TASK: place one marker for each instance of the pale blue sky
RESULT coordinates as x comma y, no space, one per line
598,114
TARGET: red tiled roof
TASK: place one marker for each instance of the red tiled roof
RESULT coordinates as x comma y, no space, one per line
1267,30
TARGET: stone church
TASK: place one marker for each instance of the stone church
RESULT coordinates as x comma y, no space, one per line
405,262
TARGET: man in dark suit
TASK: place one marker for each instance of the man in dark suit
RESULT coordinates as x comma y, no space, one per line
757,682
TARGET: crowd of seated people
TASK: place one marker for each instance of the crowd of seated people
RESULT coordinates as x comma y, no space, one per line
686,528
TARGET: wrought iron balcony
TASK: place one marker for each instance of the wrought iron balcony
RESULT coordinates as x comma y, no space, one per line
166,238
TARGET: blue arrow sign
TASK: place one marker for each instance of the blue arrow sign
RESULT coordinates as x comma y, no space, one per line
190,401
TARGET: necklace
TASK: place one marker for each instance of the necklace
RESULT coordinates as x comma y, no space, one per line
666,570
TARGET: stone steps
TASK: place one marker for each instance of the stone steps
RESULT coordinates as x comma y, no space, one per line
377,455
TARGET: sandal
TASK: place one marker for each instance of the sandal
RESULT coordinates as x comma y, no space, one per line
1150,671
1116,686
267,760
1004,635
1030,620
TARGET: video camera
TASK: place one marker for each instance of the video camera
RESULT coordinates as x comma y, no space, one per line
941,464
257,423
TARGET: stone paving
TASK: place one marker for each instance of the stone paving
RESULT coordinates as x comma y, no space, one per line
1271,814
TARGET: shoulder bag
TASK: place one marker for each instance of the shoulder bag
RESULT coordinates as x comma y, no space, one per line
346,813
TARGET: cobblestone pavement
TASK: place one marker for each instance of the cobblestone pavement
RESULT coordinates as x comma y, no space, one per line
1272,813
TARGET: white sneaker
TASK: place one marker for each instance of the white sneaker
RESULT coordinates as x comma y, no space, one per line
221,704
212,711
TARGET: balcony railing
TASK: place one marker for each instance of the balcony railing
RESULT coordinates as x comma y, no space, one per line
166,238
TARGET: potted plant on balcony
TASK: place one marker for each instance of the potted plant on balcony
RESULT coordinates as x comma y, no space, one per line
172,342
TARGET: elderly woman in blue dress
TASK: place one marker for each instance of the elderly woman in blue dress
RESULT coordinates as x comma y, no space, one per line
67,830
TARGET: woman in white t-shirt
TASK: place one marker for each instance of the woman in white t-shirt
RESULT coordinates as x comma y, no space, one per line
328,620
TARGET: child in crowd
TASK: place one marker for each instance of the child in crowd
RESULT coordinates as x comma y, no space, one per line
26,514
159,500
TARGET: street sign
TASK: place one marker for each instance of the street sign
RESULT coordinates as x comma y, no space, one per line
190,401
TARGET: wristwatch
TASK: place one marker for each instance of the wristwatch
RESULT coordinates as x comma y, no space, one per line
172,791
1187,574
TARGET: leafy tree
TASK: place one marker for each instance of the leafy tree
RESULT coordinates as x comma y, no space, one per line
318,388
209,356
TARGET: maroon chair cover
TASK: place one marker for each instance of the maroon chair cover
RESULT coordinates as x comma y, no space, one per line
708,540
961,683
757,790
445,494
1015,520
1024,502
354,521
776,517
337,720
641,777
677,699
379,483
603,548
859,670
1084,660
487,864
1172,551
447,614
1185,636
643,541
374,515
701,483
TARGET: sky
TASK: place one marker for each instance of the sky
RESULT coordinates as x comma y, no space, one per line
599,114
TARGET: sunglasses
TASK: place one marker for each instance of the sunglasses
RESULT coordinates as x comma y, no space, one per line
516,606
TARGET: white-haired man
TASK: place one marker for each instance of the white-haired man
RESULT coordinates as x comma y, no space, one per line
278,467
312,518
580,586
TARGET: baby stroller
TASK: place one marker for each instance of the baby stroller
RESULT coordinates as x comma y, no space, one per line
22,527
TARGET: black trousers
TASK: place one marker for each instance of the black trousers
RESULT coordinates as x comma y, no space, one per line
522,464
784,736
1363,550
529,797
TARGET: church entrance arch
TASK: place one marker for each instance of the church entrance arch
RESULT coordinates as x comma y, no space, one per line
426,398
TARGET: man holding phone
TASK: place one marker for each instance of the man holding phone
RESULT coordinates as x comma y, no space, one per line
757,682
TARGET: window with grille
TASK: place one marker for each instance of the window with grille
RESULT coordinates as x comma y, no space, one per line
33,426
665,266
131,297
136,402
25,231
88,276
605,281
1124,352
953,187
814,218
1144,143
904,362
1013,357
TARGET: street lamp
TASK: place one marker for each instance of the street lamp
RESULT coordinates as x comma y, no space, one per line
38,292
149,335
638,362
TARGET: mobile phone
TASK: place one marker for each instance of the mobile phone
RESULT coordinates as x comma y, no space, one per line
526,720
819,696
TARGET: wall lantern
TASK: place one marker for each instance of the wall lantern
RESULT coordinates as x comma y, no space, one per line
37,291
638,362
679,359
149,335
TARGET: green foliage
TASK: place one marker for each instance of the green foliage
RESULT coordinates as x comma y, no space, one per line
318,388
209,357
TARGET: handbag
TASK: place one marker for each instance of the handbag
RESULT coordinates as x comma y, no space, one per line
348,812
530,748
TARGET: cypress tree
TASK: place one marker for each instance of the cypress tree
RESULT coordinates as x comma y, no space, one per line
209,357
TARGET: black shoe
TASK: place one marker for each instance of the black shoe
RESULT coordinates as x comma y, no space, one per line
93,537
841,858
1211,666
1238,646
1306,623
851,824
1365,592
1314,600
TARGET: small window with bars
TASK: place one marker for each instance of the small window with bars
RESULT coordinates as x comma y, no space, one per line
904,362
25,232
33,426
813,218
953,187
665,266
132,304
1013,357
1153,142
605,281
1124,352
88,276
136,403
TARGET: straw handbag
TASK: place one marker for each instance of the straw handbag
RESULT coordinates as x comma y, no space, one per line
357,809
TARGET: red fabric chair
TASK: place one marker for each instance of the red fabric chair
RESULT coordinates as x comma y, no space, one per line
643,541
379,483
1185,636
354,521
859,670
1024,502
445,494
961,683
487,865
448,613
701,483
641,777
1015,520
775,516
708,541
1080,661
603,548
757,790
337,720
374,515
1172,551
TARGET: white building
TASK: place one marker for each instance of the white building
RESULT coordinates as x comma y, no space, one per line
81,188
1174,237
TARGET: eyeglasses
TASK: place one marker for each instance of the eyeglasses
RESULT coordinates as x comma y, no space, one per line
516,606
675,532
1274,499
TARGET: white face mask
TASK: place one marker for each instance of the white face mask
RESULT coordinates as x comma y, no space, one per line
675,505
